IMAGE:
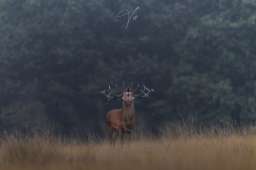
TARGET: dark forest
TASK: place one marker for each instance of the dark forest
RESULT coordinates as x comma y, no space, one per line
56,57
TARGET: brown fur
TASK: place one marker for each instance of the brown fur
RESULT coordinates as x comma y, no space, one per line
122,121
115,119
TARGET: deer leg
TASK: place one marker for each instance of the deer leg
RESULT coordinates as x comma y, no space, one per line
125,134
128,134
115,136
110,134
124,137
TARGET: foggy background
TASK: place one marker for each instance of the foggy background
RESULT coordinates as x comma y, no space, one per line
57,55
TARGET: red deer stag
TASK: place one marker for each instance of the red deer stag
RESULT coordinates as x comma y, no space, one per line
121,122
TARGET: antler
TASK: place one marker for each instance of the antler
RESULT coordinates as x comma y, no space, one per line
144,91
109,93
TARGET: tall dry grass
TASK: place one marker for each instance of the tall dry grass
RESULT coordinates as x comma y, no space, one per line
198,152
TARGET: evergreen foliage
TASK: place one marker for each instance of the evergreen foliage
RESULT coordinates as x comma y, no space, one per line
57,55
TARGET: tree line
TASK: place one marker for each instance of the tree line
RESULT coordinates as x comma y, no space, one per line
56,56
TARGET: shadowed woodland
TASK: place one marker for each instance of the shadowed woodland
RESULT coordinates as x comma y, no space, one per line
57,55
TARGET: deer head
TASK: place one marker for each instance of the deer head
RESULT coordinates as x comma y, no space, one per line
128,97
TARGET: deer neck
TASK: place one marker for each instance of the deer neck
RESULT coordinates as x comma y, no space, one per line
128,111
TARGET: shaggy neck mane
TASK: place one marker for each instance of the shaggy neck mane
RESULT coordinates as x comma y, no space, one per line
128,111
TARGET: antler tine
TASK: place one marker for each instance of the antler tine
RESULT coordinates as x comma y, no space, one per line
107,92
110,93
146,91
143,91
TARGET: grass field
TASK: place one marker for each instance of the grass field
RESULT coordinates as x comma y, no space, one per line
199,152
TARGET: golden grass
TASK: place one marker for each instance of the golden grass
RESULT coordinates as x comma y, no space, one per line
234,152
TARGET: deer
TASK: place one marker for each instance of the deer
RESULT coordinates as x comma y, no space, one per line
121,122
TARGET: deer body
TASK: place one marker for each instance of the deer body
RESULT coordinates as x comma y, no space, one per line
122,121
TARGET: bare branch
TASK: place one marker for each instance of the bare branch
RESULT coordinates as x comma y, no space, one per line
130,14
